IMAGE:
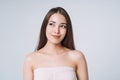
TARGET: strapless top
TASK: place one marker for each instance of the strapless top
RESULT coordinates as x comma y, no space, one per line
55,73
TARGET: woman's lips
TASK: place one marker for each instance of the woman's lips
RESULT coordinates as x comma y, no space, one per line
56,36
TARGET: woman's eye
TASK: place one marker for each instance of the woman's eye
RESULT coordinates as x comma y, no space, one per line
63,26
50,24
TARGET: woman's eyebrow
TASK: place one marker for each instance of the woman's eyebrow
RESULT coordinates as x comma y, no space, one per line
64,23
52,21
55,22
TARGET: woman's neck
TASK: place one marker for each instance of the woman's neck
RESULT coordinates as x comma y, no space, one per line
56,49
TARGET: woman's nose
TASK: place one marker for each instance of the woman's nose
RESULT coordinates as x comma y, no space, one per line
56,30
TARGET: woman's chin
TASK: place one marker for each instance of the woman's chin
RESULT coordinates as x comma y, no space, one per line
56,42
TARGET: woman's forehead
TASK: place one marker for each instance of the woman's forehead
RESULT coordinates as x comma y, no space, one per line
57,17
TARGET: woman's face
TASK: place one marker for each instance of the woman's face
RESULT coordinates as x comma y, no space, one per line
56,28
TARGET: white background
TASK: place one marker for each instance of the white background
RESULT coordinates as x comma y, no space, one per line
96,25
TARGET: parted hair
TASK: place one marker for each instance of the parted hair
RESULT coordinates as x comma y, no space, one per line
68,40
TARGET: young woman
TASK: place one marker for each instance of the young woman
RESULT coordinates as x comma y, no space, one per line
55,57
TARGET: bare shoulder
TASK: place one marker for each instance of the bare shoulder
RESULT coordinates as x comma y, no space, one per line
76,54
80,64
30,56
77,57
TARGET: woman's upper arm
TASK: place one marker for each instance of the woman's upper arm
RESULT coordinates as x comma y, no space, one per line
27,69
82,71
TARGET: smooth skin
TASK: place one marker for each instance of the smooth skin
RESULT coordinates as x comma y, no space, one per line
53,54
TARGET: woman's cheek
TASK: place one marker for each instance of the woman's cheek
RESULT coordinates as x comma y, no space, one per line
49,30
63,32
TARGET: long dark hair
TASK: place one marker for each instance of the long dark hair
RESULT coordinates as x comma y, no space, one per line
68,40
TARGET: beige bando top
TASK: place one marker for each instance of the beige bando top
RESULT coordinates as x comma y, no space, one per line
55,73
